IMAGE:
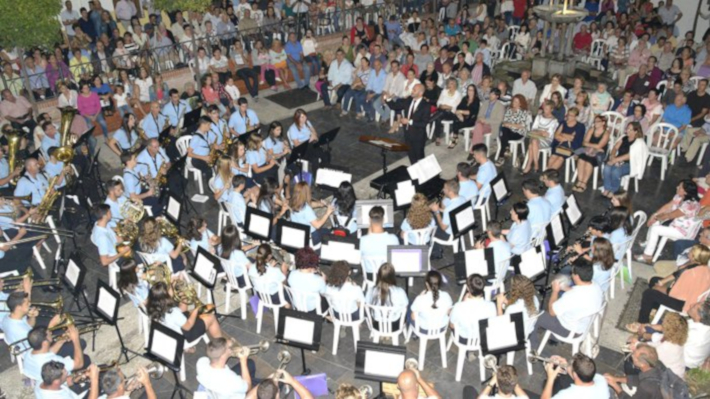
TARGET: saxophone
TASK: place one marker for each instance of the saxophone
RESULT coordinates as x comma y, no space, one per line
226,139
47,201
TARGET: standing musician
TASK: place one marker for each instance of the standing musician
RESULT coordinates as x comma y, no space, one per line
176,108
217,126
104,237
216,376
33,182
132,184
115,199
45,349
244,120
199,150
6,175
153,123
126,138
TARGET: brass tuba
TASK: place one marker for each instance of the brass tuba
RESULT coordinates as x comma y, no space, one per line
65,153
14,140
169,230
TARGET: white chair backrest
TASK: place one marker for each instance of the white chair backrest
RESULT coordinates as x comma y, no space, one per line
665,133
422,236
513,32
118,178
597,49
182,144
696,80
266,298
661,87
210,183
504,51
440,313
373,263
385,316
227,267
615,120
342,303
300,299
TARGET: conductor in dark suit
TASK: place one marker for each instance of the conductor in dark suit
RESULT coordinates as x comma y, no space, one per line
415,116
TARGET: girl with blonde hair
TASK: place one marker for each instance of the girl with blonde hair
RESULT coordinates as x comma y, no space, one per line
152,242
222,181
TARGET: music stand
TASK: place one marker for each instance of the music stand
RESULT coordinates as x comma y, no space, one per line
204,269
326,138
297,154
257,224
462,219
409,261
362,211
334,248
380,363
556,237
106,305
73,279
292,236
500,190
330,178
191,118
95,173
474,261
300,330
177,169
502,334
530,263
173,210
83,138
166,347
572,211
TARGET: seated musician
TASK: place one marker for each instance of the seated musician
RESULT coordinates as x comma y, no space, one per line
555,193
126,138
176,109
244,120
374,244
410,381
154,122
581,380
200,236
22,318
540,210
302,212
345,296
25,286
267,275
51,138
486,169
521,298
163,309
428,301
276,144
473,307
269,200
308,279
32,183
451,201
269,388
133,189
386,293
302,131
262,165
467,188
598,228
222,181
232,250
55,379
115,199
519,235
114,385
133,284
418,217
501,249
199,151
152,242
55,167
8,225
216,376
6,175
217,128
621,230
45,348
235,198
152,161
575,310
344,203
104,237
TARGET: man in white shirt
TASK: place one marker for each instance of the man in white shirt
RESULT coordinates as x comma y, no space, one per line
69,17
215,376
394,86
340,76
523,85
582,381
555,193
113,383
125,10
409,382
45,349
575,310
374,244
697,347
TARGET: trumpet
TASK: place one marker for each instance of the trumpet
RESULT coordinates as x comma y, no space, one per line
155,371
29,274
411,364
491,362
39,283
89,328
237,349
284,358
57,306
540,359
82,375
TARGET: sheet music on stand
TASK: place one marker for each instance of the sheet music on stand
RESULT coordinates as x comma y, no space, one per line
332,177
572,211
556,228
335,248
531,263
424,170
403,194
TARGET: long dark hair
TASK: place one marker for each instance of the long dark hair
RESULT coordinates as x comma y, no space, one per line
230,241
345,198
691,190
125,127
262,258
127,278
433,283
266,193
159,301
385,279
619,217
272,127
193,228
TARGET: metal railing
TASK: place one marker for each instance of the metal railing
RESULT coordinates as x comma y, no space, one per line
160,59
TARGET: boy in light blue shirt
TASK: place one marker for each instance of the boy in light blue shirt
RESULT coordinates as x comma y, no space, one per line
468,188
486,169
540,208
374,244
555,194
238,207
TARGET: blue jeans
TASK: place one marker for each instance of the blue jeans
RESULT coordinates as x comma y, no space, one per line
613,175
382,108
313,63
369,106
350,95
124,109
306,74
359,100
101,121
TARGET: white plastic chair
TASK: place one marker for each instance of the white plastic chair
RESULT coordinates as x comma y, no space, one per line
426,335
465,346
300,299
573,339
662,86
421,237
344,320
639,221
265,302
224,217
482,206
692,233
513,32
182,144
546,153
389,322
667,134
514,146
510,356
701,153
372,263
233,284
187,346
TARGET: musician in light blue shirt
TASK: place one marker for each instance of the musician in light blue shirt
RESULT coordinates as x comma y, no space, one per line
215,135
199,150
519,235
237,204
104,237
244,119
176,108
153,123
345,296
267,276
122,140
486,169
44,350
468,188
302,211
54,168
344,203
540,209
51,138
18,324
308,281
301,130
231,250
451,201
374,244
33,182
621,230
555,193
5,176
53,384
200,236
151,159
276,144
501,249
115,200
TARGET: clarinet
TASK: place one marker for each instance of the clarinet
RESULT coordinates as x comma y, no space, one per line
568,252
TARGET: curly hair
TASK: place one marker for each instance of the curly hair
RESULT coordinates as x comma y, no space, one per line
419,215
675,328
150,240
306,258
522,288
347,391
339,273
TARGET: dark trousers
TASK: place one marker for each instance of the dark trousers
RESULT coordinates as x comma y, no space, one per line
251,80
252,369
340,92
652,299
203,167
458,125
506,135
416,140
681,245
549,323
469,392
447,116
67,350
438,250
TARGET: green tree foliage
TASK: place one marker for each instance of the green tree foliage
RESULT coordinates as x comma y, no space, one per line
28,23
183,5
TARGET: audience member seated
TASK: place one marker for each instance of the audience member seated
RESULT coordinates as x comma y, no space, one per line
592,152
626,158
490,117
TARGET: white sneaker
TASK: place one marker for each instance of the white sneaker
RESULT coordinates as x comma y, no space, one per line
278,79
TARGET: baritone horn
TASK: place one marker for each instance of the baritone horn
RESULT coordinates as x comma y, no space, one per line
365,391
262,346
14,142
411,364
284,358
491,362
155,371
65,152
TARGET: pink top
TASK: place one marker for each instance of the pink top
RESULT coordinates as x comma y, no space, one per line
690,209
639,56
210,95
89,106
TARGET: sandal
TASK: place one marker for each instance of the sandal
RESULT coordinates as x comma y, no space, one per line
579,187
499,162
454,141
641,258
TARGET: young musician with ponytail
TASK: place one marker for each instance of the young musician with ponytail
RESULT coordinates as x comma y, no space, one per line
266,275
222,182
231,250
432,298
386,293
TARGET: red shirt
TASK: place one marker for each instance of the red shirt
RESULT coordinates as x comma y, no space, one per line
582,41
519,7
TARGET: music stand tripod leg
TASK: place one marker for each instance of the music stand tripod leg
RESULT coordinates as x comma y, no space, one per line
306,371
